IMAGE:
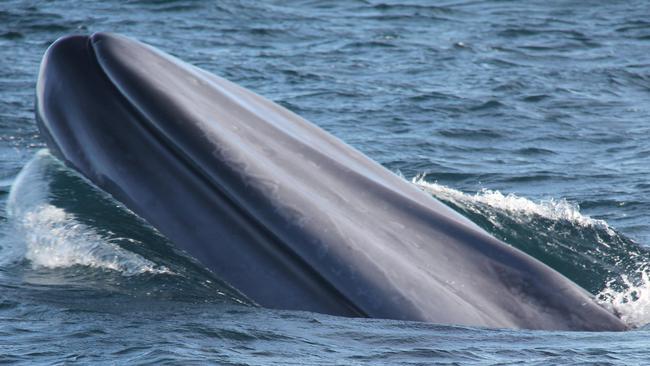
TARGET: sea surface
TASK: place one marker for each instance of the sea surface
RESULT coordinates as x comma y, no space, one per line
531,118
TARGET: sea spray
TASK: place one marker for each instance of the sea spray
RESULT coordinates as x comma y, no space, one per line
521,208
631,301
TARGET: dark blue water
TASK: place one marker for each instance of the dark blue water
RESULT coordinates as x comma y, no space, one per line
531,119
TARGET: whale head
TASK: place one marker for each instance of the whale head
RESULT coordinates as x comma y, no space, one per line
278,208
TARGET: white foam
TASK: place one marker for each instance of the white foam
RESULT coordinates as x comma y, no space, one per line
520,208
632,303
54,238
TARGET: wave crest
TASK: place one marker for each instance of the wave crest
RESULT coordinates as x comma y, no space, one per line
523,208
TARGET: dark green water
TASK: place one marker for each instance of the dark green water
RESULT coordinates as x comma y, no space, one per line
531,119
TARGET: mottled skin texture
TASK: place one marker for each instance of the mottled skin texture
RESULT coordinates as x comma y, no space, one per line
283,211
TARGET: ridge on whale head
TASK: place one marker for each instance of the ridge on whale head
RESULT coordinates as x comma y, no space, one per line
286,213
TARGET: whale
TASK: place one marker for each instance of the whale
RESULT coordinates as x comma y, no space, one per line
278,208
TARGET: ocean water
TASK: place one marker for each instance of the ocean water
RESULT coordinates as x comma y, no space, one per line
529,118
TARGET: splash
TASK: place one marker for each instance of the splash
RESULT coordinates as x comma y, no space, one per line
631,301
520,207
54,238
588,251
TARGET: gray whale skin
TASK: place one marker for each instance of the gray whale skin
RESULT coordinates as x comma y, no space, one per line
281,210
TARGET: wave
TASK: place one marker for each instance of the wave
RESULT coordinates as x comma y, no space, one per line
613,267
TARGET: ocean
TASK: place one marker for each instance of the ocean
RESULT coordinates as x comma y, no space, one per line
529,118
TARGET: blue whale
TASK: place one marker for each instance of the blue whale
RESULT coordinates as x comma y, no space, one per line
281,210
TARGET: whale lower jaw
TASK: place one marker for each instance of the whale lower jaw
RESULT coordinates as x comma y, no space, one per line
286,213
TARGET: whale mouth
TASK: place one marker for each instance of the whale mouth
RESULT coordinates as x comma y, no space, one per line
277,208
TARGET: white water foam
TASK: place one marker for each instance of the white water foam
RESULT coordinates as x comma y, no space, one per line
632,304
518,207
54,238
